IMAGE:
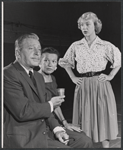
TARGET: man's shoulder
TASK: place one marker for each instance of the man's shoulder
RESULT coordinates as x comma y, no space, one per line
12,66
10,72
9,68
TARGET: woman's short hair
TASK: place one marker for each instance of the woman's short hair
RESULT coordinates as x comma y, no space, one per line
93,16
50,50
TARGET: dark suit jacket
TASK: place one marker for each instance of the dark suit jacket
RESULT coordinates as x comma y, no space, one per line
25,110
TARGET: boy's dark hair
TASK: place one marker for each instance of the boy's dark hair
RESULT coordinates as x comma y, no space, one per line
50,50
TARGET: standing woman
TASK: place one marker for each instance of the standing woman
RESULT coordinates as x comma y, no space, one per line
94,108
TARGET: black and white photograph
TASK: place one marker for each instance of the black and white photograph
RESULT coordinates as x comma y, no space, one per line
61,74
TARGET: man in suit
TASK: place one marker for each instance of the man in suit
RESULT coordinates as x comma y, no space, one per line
28,118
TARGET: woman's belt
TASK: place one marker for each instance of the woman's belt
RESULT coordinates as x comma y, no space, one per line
90,74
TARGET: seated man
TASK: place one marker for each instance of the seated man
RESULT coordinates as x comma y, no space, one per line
26,112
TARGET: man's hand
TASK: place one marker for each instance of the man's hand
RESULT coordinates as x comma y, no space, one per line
62,136
57,100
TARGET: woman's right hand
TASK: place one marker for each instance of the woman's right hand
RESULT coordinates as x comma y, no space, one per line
77,80
64,63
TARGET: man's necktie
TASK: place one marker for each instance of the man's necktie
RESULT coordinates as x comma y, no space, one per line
32,78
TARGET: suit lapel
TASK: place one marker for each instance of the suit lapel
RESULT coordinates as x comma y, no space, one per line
25,75
40,85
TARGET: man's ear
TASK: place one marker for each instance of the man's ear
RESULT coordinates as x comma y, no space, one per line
17,53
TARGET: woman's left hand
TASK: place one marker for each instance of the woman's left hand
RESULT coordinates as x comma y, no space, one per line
103,77
72,127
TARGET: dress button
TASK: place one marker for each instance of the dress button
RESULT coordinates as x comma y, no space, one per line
42,120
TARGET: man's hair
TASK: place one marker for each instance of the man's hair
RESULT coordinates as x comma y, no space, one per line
50,50
19,41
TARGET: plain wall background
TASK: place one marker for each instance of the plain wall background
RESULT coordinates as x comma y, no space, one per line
56,25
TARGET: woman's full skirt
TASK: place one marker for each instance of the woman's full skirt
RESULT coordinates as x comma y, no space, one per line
94,109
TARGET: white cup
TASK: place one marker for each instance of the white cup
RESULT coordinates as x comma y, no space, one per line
61,91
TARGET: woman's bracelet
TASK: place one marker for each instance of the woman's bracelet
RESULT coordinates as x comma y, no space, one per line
63,120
